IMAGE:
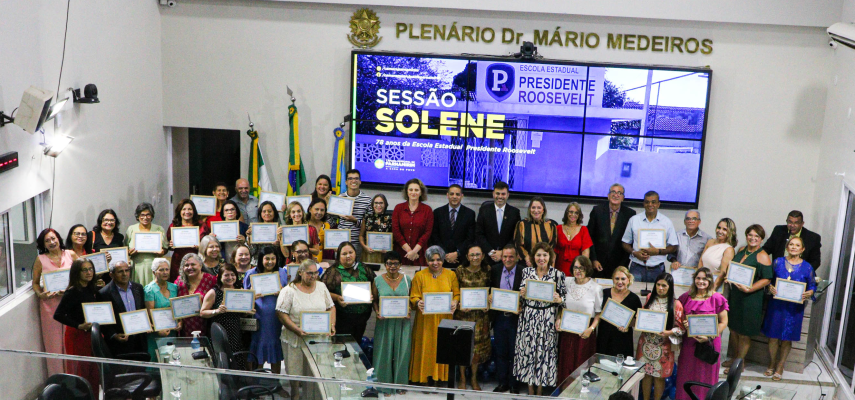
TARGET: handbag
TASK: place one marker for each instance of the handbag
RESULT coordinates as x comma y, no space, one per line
706,353
249,324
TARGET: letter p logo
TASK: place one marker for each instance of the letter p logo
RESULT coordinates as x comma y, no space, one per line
499,81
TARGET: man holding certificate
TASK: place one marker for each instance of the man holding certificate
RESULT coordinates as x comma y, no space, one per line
125,296
506,276
361,206
649,238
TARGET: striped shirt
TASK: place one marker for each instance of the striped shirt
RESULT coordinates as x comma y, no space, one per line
361,206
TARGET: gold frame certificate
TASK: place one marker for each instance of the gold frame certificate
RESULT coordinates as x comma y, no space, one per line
239,300
505,300
395,307
56,281
205,205
474,298
264,232
316,322
161,319
134,322
651,321
335,237
186,306
291,233
604,282
266,284
790,290
149,242
574,322
683,276
278,199
617,314
185,236
539,290
437,303
118,254
99,261
341,206
379,241
702,325
99,313
741,274
226,231
356,292
304,201
653,238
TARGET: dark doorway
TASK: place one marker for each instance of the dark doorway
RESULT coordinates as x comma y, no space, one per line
214,156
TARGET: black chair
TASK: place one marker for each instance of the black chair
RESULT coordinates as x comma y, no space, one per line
123,382
719,391
74,387
231,387
220,342
54,392
732,379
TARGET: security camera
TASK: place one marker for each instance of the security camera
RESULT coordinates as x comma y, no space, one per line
832,44
168,3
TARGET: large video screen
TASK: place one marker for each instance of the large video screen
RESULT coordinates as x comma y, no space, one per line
544,127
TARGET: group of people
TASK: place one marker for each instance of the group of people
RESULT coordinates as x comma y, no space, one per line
495,248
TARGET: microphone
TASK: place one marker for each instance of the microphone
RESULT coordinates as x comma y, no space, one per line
746,395
594,377
344,353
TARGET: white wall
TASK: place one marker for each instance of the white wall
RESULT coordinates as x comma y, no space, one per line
767,101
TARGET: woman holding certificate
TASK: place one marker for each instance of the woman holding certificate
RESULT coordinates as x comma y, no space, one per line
209,252
241,258
69,312
718,252
351,319
573,240
375,220
611,338
229,213
105,233
318,220
584,295
265,346
185,216
142,262
268,214
703,301
323,188
794,285
294,215
537,339
214,307
746,301
660,329
438,287
78,240
303,295
193,281
533,230
52,257
412,223
157,295
392,334
475,275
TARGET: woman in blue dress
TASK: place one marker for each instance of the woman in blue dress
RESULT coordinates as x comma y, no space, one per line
265,345
783,321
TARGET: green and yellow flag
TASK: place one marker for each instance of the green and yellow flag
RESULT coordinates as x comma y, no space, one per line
258,178
296,173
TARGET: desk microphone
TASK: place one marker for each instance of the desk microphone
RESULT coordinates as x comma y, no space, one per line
344,353
746,395
594,377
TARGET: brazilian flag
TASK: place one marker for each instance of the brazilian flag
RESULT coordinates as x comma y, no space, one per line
296,173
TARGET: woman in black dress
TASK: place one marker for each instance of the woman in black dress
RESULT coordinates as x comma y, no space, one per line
213,307
612,340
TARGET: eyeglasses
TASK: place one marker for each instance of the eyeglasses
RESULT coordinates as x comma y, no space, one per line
617,192
352,178
578,268
692,219
474,255
87,269
311,273
108,220
301,251
393,264
79,234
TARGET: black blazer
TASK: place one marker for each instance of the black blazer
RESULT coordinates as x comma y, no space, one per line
777,243
457,240
496,280
487,233
136,343
607,247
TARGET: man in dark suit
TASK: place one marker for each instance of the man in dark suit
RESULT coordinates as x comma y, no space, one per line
508,276
606,225
453,227
489,232
776,246
125,296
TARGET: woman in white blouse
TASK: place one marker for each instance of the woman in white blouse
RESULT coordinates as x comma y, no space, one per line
584,295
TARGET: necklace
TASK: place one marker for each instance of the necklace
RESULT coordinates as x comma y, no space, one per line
747,254
394,279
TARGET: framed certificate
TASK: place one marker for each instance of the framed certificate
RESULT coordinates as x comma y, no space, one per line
741,274
381,241
292,271
789,290
161,319
118,254
185,236
264,232
99,261
149,242
226,231
505,300
394,306
617,314
56,281
437,303
703,325
303,200
574,322
237,300
604,282
316,322
342,206
683,276
278,199
539,290
651,321
335,237
205,205
654,238
474,298
266,284
186,306
134,322
291,233
99,312
356,292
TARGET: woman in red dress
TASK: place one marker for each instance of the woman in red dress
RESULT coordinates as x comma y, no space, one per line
412,223
573,239
193,281
185,216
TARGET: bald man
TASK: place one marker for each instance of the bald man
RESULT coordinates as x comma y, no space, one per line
247,203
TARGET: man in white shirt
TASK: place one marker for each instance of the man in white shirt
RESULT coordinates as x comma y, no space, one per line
361,206
692,241
647,260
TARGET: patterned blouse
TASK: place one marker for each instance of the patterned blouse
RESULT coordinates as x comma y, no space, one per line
377,223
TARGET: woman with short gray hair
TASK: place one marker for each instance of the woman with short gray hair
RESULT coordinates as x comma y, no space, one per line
142,262
157,295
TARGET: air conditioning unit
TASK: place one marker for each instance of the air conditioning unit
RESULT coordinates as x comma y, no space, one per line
843,33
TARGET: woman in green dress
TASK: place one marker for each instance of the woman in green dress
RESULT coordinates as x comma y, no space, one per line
392,335
141,262
475,275
746,302
157,295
